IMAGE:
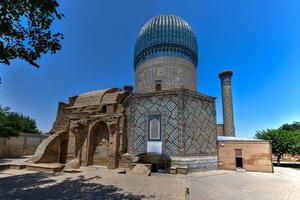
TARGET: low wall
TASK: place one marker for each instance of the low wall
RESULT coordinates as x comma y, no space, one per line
25,144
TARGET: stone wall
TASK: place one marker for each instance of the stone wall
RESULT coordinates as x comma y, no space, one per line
256,155
25,144
173,72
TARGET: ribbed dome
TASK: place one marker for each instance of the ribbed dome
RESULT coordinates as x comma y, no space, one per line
166,35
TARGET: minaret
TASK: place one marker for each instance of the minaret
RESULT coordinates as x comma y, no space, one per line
227,103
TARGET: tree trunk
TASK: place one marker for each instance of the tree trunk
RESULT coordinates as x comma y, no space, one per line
278,159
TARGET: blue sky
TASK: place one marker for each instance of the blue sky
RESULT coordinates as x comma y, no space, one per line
258,39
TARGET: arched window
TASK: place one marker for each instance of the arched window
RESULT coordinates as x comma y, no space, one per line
154,128
158,85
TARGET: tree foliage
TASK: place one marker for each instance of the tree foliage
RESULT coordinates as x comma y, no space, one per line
295,126
12,123
25,29
285,139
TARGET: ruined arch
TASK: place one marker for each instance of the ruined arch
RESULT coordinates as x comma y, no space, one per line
98,144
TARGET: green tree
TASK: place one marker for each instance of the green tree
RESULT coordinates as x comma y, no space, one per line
295,129
283,141
295,126
12,123
25,29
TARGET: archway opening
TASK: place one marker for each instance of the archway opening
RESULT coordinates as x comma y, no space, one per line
63,150
159,162
99,144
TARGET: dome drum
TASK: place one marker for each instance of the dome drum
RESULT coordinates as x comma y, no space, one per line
166,50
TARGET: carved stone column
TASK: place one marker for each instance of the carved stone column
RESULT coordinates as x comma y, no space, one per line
228,121
114,142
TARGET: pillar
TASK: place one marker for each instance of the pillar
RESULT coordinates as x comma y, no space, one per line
228,121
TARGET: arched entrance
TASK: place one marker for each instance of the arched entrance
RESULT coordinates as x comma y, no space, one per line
99,144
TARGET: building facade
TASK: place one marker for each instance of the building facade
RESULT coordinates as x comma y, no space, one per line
162,116
167,115
185,123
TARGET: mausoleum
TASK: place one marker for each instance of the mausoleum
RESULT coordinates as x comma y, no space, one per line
162,121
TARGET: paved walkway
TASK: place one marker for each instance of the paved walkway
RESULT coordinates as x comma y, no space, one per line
284,184
100,183
92,183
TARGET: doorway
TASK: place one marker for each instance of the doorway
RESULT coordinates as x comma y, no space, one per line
238,158
159,162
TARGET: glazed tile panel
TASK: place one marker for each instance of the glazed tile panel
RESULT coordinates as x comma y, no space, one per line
140,108
200,126
188,123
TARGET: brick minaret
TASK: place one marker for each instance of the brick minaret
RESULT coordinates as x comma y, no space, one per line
227,103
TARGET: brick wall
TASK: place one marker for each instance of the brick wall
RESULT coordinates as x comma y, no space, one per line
173,72
220,129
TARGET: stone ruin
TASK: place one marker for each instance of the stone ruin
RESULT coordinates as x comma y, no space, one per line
90,128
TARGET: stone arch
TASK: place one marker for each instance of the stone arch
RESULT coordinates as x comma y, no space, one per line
78,143
98,144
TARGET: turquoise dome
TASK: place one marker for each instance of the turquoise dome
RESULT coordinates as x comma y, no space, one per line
166,35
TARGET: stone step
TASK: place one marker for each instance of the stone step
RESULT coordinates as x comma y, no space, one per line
48,167
12,165
240,169
4,167
17,166
141,169
179,170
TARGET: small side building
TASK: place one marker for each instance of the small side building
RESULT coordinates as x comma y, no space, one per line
249,154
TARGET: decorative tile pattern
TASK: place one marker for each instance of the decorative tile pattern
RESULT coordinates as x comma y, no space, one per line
166,35
188,122
140,108
200,126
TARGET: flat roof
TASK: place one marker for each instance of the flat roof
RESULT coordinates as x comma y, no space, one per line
229,138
